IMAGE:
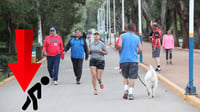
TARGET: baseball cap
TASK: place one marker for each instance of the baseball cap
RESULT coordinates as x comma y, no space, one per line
155,24
96,33
52,29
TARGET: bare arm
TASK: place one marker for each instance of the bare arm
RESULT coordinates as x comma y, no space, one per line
120,42
139,48
104,50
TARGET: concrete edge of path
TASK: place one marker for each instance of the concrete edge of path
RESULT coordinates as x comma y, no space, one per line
12,77
181,92
178,90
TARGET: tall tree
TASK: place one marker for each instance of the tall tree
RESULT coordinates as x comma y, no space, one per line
176,42
183,12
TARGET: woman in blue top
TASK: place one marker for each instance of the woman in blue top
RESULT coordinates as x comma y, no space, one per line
78,47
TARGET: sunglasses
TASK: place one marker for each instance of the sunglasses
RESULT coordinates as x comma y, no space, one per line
52,30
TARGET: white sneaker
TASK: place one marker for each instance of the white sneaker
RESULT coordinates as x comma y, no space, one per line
55,83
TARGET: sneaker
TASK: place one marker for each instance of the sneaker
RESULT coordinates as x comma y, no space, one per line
95,92
130,97
167,63
55,83
157,69
101,85
120,71
125,96
78,82
170,62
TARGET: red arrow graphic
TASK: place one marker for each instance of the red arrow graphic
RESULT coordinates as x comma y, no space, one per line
24,70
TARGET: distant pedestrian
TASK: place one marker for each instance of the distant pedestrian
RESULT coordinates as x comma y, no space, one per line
168,45
89,36
97,50
156,45
53,49
78,47
104,36
107,36
130,46
117,47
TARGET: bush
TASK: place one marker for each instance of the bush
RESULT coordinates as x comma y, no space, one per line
4,60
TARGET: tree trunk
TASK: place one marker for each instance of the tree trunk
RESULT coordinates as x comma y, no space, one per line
183,13
12,43
163,17
197,35
185,32
176,42
146,14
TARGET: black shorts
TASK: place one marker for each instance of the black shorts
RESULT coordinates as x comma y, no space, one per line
129,70
97,63
156,53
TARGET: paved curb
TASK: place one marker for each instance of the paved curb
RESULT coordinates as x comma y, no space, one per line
181,92
195,51
13,77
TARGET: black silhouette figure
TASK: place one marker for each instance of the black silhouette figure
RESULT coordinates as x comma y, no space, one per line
37,87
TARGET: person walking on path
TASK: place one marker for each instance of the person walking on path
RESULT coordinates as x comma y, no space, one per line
53,49
168,45
130,46
97,50
78,47
156,45
117,47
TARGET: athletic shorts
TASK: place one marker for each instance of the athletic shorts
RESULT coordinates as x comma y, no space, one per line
156,53
129,70
97,63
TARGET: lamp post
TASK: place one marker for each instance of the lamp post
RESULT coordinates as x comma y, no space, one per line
191,89
114,20
140,27
109,28
122,15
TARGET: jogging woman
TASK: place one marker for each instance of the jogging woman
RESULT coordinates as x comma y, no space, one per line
97,50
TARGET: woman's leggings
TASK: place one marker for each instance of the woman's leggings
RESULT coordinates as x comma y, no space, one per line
168,53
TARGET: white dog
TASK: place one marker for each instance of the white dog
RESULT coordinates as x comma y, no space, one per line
151,81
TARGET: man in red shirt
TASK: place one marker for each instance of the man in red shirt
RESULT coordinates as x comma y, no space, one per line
156,45
53,49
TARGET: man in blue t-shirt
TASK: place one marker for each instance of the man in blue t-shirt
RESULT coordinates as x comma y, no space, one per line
130,47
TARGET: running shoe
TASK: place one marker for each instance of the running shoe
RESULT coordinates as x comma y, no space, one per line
125,96
95,92
101,86
120,71
157,69
170,62
78,82
130,97
55,83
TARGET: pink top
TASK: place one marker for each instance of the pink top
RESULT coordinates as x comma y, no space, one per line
168,41
53,46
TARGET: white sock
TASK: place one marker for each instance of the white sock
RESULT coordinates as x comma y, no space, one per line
130,91
125,87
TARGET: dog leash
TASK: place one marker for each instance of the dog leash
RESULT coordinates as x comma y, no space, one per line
141,81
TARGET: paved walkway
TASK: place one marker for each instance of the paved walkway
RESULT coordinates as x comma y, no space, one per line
69,97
